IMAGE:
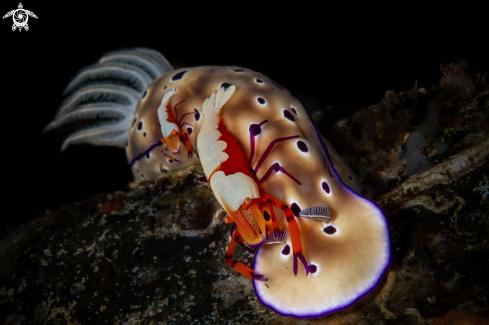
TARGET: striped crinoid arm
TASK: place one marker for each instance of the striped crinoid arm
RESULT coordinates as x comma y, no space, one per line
108,134
108,93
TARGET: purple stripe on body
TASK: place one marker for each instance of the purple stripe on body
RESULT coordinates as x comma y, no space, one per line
144,153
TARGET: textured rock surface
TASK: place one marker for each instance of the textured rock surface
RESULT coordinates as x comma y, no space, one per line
154,254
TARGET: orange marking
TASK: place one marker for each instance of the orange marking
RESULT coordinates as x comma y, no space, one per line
232,244
210,176
187,142
243,269
295,236
169,140
170,117
242,221
250,221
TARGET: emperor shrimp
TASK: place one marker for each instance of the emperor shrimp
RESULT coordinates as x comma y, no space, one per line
290,198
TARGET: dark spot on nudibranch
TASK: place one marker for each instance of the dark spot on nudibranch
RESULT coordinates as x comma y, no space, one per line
134,122
142,175
144,134
261,100
238,70
302,146
178,76
329,230
165,87
351,179
140,125
266,215
190,130
289,115
197,114
296,209
286,250
225,85
145,93
313,268
171,161
259,81
147,155
325,187
294,110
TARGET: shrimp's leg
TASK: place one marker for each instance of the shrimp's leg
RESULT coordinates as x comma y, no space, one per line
272,216
295,234
240,267
187,142
169,141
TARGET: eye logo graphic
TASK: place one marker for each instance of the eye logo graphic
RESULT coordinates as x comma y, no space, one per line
20,17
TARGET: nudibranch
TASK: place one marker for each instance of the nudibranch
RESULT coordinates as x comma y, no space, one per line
320,246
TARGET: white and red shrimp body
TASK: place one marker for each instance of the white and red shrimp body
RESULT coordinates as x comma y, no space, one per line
321,246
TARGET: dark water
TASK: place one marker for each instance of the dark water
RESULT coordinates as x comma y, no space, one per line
331,58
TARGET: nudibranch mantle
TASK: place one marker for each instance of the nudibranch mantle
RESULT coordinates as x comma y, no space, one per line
264,157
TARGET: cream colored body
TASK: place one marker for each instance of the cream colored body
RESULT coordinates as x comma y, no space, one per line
242,110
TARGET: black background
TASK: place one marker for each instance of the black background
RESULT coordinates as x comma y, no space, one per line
346,56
